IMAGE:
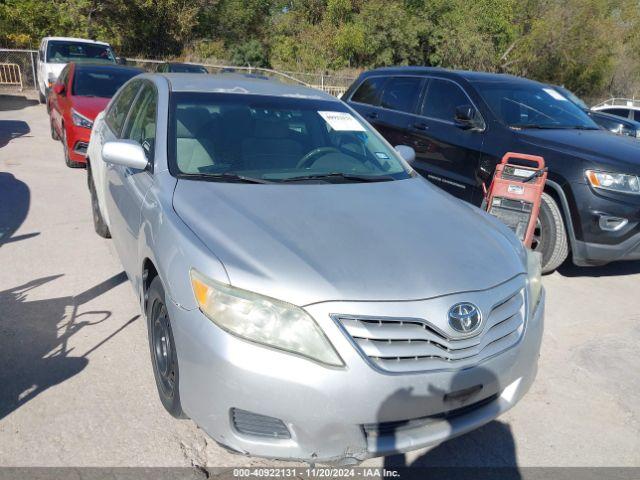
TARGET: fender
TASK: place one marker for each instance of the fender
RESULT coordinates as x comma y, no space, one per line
566,211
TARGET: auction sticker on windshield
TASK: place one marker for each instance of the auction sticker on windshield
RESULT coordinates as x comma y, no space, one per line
554,94
342,121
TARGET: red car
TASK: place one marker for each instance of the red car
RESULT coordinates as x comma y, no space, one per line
81,92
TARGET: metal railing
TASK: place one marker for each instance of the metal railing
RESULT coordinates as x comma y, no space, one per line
10,75
332,83
619,102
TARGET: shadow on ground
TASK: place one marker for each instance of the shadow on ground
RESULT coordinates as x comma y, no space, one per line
467,395
10,129
611,270
14,206
15,102
34,336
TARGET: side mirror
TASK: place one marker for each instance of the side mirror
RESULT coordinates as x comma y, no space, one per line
58,88
465,116
406,152
127,153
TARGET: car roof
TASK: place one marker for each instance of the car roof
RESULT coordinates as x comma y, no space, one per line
105,66
240,83
470,76
76,40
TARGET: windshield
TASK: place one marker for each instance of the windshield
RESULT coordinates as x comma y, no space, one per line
525,105
572,97
219,136
186,68
100,82
65,52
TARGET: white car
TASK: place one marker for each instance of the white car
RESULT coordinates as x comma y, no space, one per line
55,52
622,107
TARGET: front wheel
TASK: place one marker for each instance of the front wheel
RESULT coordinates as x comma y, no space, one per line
550,235
99,225
163,350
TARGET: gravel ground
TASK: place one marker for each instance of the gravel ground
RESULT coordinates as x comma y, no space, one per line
76,382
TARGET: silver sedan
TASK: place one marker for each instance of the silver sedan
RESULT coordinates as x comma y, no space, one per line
308,296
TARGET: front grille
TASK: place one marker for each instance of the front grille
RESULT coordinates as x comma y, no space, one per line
258,425
391,428
415,345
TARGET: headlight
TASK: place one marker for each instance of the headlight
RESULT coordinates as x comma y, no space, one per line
534,277
80,120
617,182
263,320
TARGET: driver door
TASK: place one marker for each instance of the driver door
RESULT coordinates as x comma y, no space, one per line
127,187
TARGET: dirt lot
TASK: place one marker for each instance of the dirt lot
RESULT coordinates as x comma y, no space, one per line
76,386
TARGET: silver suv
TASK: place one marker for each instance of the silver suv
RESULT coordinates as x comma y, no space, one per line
308,296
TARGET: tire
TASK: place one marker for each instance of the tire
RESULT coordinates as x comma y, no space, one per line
164,357
41,97
65,145
99,224
550,236
54,134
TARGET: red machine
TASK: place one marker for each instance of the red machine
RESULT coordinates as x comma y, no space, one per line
516,191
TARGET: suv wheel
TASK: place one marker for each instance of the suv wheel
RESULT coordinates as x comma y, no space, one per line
550,235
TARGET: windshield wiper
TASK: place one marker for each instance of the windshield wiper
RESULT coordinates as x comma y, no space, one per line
339,175
233,177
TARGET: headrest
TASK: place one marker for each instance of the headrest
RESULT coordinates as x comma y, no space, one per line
190,120
264,128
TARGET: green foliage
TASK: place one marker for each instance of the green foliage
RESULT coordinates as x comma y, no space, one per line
591,46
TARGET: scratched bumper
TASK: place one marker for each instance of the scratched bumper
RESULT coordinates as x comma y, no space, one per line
330,412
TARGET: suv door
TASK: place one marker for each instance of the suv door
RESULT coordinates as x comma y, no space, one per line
447,152
398,104
127,187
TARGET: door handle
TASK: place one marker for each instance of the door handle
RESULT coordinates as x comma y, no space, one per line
372,115
420,126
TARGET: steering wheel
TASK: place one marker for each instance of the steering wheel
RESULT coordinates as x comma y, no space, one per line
310,158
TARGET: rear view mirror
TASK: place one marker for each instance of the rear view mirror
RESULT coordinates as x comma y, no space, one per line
466,116
58,88
127,153
406,152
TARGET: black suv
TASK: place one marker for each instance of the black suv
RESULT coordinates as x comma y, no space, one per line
461,123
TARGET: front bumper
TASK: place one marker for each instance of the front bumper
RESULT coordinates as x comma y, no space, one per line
333,414
78,142
595,246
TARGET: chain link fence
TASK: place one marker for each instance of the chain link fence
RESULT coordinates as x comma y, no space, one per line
18,72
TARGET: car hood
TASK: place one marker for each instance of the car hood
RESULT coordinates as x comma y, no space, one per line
90,107
598,146
53,70
398,240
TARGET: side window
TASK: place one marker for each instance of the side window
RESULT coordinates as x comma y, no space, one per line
64,75
117,113
636,115
441,100
141,126
621,112
369,91
401,93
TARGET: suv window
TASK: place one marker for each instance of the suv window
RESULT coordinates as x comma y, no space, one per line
369,91
442,98
117,113
401,93
636,115
141,126
621,112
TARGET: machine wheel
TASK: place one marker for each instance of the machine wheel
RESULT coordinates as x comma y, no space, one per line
65,145
54,134
163,350
550,235
99,224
